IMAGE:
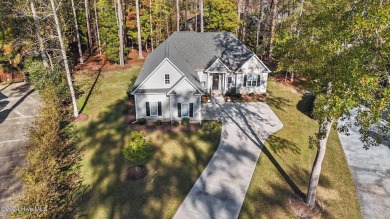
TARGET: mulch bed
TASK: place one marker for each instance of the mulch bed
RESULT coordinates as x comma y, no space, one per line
81,117
301,210
165,127
150,126
134,173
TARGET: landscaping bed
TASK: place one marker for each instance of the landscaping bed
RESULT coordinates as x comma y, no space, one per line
179,154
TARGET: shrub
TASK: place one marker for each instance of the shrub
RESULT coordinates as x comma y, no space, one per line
52,139
185,122
251,94
138,149
176,123
238,95
130,88
141,121
158,122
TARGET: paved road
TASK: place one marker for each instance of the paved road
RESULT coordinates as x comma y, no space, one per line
18,105
371,173
220,190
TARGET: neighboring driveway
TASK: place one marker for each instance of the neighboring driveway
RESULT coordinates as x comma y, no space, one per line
220,190
371,173
18,105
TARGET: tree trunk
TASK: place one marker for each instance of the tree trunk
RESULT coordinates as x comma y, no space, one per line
77,32
97,29
259,19
120,34
68,76
88,26
140,56
186,15
50,60
177,16
325,127
40,41
239,3
273,28
196,16
201,16
151,25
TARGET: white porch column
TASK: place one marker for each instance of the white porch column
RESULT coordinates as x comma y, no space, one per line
208,83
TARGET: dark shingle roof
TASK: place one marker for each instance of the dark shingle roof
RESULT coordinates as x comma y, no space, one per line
190,51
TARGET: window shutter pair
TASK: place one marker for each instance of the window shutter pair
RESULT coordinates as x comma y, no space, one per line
178,109
258,81
245,76
159,110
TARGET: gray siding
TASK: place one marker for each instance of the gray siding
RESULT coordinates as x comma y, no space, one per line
157,80
141,105
185,94
252,66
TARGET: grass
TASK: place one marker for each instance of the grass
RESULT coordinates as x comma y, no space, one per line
178,158
286,161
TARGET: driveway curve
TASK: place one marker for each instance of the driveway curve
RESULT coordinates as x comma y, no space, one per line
220,190
370,171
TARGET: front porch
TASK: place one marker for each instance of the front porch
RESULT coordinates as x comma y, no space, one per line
219,82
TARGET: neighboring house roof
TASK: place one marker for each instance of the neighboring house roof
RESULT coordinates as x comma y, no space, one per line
191,51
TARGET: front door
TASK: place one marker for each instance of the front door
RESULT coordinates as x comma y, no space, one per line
215,82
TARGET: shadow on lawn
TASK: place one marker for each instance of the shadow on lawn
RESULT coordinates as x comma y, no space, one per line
277,145
167,181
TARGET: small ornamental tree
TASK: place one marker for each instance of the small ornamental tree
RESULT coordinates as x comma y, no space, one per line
138,149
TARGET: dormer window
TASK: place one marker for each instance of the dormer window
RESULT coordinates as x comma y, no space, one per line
167,80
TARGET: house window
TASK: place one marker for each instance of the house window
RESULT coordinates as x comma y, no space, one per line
153,108
167,80
185,109
203,83
251,80
229,80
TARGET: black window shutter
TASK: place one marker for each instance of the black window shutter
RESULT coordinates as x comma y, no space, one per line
159,108
244,80
147,109
179,109
258,80
191,110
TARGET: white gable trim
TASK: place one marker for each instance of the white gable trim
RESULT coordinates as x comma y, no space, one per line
261,62
207,70
184,78
257,58
154,71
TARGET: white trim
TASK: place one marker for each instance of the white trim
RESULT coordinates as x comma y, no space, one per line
154,71
207,70
257,58
135,104
180,80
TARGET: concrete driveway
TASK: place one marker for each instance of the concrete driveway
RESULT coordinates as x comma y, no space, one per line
220,190
371,173
18,105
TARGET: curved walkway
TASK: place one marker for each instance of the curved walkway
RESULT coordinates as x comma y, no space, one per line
220,190
371,173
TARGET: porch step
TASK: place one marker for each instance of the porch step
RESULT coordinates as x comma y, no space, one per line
217,97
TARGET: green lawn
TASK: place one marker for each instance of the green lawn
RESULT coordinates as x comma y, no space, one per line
286,163
178,158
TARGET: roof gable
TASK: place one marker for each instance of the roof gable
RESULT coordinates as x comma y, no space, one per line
218,67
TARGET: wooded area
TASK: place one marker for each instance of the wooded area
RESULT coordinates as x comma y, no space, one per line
340,47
